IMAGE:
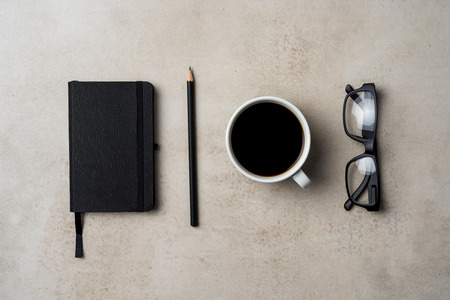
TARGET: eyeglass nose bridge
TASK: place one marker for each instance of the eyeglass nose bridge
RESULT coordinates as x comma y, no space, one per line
370,147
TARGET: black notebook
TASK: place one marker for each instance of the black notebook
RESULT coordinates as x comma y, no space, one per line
111,145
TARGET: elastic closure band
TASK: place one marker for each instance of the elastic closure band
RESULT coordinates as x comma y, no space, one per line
140,145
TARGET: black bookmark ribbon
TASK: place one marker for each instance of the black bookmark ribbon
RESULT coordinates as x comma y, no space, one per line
79,238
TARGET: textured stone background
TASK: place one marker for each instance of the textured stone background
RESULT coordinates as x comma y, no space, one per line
256,241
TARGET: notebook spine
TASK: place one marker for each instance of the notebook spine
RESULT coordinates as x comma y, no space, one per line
149,146
70,144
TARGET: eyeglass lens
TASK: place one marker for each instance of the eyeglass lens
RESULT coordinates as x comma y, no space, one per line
360,114
358,174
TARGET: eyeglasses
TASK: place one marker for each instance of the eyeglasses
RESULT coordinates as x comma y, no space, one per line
360,123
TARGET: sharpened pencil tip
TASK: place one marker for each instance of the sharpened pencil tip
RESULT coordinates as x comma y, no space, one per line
190,77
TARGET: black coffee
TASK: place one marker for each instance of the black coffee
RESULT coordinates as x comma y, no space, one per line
267,139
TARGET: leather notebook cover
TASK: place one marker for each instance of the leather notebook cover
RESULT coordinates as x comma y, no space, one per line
111,147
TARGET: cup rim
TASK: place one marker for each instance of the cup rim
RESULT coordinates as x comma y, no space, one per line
306,134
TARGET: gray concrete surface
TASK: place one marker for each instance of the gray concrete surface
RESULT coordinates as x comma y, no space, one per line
255,241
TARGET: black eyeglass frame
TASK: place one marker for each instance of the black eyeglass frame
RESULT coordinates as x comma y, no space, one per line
371,182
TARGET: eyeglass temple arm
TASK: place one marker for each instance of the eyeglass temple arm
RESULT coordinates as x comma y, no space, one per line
373,193
348,204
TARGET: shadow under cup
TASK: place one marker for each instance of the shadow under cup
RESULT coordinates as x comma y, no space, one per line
266,139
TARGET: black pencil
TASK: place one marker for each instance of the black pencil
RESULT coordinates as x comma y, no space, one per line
192,149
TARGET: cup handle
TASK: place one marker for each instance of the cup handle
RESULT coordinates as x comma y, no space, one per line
301,179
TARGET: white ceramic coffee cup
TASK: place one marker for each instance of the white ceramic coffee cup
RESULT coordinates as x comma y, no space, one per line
294,171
